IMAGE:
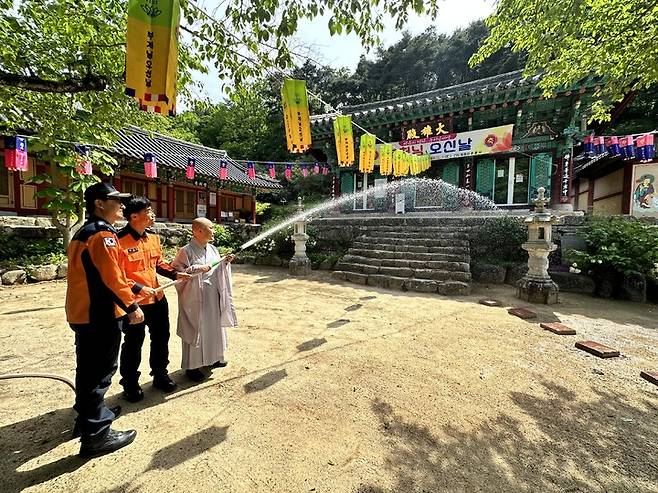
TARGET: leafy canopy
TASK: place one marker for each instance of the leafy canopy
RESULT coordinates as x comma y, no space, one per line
568,40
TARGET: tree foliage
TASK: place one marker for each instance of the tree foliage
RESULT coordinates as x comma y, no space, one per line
568,40
62,69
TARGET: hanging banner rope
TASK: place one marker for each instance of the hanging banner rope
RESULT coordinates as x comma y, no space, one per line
296,117
152,54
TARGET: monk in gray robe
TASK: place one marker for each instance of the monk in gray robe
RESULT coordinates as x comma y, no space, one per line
205,302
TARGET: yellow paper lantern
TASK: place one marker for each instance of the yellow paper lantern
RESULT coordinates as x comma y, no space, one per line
296,117
385,159
344,140
367,153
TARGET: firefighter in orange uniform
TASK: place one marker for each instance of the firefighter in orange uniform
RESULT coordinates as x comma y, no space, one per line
141,259
99,302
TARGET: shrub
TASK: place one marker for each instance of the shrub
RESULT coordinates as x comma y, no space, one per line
222,236
628,247
15,250
499,241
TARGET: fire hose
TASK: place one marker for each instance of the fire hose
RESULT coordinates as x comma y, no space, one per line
69,382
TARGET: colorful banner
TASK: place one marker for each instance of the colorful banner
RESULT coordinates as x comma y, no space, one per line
296,117
16,154
344,140
367,153
455,145
152,54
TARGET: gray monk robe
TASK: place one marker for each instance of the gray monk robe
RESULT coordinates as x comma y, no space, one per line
205,306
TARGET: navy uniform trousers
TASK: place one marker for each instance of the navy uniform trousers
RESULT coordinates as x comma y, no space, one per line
156,317
96,352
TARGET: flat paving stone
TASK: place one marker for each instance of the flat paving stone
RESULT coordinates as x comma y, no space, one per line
523,313
488,302
650,376
558,328
597,349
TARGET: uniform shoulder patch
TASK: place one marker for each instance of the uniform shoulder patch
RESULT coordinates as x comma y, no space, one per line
109,241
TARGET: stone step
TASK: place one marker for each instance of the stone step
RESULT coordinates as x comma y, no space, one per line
405,284
437,242
403,228
362,245
383,254
439,234
449,272
379,260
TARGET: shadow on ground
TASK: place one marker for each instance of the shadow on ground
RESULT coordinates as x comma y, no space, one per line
604,445
267,380
189,447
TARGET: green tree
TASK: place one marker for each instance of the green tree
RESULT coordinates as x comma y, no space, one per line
568,40
62,68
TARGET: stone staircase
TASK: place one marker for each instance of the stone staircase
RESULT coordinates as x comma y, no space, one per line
427,259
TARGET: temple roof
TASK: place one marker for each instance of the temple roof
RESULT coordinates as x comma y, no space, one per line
173,153
477,94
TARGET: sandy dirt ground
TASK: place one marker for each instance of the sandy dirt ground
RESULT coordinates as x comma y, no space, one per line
341,388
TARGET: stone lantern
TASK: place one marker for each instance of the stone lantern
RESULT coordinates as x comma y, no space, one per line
537,286
300,264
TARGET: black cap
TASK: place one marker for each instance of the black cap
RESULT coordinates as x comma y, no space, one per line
103,191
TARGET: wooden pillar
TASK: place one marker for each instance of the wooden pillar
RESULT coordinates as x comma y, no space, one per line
171,202
627,190
590,196
253,209
219,206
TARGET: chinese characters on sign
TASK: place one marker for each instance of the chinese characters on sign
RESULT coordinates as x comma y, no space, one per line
149,59
426,129
463,144
566,178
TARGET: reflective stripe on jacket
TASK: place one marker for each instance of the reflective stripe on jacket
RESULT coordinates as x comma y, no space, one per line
97,289
141,258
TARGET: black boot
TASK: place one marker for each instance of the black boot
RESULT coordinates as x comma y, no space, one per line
196,375
133,393
164,383
220,364
116,410
114,440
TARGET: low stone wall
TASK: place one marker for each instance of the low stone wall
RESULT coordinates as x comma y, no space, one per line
41,228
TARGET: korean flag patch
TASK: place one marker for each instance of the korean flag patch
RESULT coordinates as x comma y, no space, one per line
110,242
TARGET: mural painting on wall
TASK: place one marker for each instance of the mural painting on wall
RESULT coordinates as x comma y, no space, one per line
644,197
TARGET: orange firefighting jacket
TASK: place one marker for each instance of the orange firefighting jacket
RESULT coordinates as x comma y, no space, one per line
97,290
141,258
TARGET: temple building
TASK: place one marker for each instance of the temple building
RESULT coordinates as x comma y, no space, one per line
175,198
497,136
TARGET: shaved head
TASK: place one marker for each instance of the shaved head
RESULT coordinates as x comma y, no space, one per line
199,221
202,229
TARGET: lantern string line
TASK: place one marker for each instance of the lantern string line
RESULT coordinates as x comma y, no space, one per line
279,76
185,156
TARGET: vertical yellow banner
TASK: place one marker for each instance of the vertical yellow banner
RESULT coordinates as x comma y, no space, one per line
152,54
296,116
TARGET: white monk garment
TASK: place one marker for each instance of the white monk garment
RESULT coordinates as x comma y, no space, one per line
205,306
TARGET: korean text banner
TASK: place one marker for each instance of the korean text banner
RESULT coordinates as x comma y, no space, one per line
152,53
462,144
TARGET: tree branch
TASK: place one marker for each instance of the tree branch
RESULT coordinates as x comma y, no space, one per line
89,82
